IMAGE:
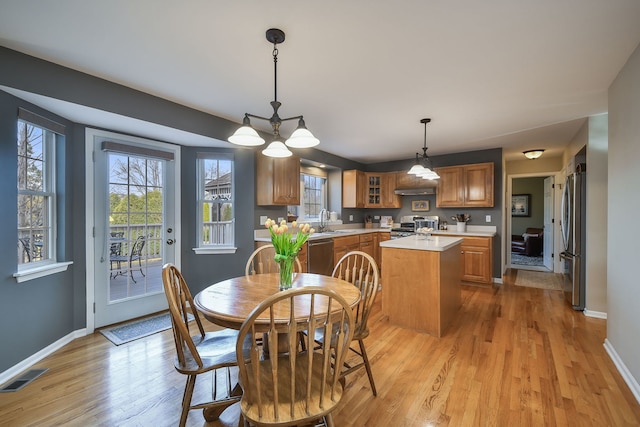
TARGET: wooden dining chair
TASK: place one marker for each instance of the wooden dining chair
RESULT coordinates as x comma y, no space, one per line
360,269
262,261
202,353
292,387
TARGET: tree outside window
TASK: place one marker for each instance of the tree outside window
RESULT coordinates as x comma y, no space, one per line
35,193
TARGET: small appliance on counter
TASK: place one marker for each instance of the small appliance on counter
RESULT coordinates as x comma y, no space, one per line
410,223
386,221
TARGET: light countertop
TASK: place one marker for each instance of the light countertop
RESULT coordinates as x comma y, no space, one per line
422,243
469,233
263,234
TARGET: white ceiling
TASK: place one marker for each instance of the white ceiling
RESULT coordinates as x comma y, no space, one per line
493,73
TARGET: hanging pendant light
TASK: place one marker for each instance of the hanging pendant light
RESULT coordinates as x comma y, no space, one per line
247,136
420,168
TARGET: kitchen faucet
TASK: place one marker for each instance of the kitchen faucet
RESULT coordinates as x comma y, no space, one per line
323,218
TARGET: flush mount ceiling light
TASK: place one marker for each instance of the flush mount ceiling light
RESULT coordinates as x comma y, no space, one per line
300,138
421,167
533,154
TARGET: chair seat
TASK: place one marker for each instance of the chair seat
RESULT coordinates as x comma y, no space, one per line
216,349
320,404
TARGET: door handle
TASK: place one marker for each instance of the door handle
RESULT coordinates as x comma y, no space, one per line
170,241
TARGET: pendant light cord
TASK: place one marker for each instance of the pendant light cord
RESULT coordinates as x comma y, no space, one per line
275,73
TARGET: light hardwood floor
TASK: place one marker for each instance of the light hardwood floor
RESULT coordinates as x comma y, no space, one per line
514,356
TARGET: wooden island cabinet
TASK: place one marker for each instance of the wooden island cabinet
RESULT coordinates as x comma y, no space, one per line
421,282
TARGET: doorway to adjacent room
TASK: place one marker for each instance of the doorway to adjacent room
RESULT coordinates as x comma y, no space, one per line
531,222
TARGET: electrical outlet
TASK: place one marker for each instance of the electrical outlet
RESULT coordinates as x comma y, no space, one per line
263,219
280,219
350,217
487,218
376,217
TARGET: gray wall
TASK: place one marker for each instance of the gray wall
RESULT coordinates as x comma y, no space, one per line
623,316
36,313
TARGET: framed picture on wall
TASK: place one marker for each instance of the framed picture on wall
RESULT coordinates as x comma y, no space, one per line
420,205
521,205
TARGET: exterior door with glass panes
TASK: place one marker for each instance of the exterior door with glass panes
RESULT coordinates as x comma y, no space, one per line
135,211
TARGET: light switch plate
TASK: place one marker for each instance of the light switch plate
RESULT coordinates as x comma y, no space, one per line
350,217
263,219
488,218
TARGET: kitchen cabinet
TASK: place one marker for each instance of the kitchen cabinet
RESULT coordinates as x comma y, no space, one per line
277,181
374,190
369,190
344,244
477,259
367,245
389,197
302,256
465,186
353,189
381,190
381,237
421,288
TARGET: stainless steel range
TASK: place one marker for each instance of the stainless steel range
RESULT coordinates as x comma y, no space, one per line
410,223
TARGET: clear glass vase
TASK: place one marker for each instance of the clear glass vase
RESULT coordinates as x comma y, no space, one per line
286,273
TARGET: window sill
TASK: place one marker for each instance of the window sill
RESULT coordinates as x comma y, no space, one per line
215,250
45,270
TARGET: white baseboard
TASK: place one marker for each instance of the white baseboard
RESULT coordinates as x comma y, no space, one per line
596,314
35,358
622,368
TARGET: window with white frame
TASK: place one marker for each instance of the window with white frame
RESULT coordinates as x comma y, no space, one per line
36,195
313,187
314,195
216,216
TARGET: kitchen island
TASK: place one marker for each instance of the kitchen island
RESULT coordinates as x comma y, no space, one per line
421,282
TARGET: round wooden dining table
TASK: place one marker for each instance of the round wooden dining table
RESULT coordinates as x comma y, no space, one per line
229,303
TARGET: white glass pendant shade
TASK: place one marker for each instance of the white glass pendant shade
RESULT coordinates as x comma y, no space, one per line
277,149
247,136
416,170
428,174
302,138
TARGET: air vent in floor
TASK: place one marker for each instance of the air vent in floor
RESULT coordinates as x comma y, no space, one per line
22,380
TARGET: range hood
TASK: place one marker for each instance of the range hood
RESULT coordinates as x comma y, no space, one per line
415,191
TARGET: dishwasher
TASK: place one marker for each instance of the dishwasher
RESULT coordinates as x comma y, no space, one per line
320,256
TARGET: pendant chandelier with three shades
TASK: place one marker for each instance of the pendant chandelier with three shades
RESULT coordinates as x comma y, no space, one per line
300,138
421,168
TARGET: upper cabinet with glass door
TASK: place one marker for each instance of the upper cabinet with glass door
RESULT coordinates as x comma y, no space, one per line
369,190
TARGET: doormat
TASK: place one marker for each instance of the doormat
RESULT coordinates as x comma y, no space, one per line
139,328
526,260
540,280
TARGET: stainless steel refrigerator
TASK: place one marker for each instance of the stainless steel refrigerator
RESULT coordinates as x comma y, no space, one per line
573,227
